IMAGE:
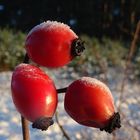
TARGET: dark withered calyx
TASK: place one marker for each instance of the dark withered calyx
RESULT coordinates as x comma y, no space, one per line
43,123
115,122
77,47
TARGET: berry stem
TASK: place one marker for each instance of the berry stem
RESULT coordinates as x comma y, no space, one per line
61,90
65,134
25,129
26,59
24,122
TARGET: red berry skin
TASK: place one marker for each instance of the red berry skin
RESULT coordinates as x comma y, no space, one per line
49,44
33,92
89,102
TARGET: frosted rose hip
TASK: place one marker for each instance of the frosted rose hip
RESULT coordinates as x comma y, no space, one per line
52,44
89,102
33,92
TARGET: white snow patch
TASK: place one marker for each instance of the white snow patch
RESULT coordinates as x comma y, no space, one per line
10,123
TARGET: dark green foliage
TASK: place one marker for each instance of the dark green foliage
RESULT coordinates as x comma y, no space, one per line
100,54
11,48
106,52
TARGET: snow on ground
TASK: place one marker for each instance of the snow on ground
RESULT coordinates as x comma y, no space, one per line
10,125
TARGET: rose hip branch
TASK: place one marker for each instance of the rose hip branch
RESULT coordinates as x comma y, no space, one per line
53,44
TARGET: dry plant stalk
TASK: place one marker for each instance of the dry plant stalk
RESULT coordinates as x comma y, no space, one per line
125,76
127,66
25,129
24,122
128,62
65,134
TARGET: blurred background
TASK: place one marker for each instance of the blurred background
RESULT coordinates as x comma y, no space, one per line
112,55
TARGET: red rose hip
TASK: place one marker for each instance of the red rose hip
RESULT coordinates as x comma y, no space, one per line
34,95
89,102
53,44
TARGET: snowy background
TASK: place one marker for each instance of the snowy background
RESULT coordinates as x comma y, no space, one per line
10,125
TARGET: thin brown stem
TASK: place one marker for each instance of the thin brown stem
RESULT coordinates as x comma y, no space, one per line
127,66
114,136
25,129
61,127
128,61
24,122
61,90
26,59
